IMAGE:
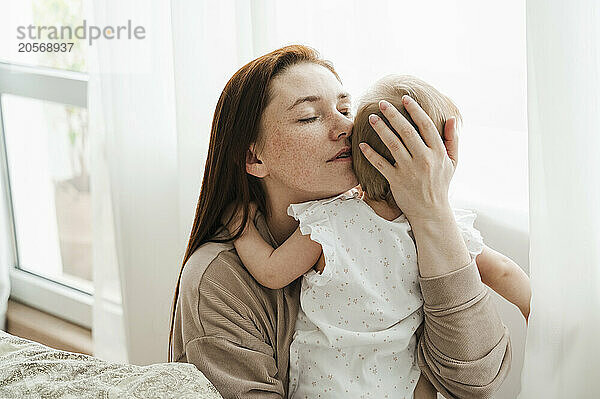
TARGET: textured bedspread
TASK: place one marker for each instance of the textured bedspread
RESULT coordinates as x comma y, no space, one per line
31,370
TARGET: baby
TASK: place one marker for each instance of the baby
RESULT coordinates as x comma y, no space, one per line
361,303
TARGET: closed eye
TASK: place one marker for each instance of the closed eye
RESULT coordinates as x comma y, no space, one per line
308,120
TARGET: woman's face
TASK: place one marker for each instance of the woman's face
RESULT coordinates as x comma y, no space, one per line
305,125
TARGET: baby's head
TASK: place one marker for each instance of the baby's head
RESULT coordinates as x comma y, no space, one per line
391,88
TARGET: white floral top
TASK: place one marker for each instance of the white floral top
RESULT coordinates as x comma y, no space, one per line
355,331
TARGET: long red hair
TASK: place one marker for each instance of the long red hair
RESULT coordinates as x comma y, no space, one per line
235,127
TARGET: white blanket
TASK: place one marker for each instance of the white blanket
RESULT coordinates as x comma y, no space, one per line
31,370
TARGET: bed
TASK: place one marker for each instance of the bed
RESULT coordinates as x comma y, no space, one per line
31,370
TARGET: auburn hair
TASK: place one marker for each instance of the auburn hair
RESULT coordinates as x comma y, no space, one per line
235,126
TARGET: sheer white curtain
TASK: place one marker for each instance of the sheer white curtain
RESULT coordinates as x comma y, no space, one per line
151,103
562,358
134,181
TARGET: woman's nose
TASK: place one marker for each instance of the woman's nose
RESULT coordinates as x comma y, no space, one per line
342,128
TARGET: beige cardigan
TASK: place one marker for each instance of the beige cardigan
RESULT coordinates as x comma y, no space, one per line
238,333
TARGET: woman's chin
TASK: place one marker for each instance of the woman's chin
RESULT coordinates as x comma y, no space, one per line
346,181
343,167
352,180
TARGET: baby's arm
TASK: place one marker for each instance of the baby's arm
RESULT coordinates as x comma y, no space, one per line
505,277
276,268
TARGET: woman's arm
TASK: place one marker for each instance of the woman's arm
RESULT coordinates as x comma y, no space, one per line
505,277
276,268
464,349
224,326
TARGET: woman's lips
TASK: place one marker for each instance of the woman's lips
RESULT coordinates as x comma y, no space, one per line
344,151
347,159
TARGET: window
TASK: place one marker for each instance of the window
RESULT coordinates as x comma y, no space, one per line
44,159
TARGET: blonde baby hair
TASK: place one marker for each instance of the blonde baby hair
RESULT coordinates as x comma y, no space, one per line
391,88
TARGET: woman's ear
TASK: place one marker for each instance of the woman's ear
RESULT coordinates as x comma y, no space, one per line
254,166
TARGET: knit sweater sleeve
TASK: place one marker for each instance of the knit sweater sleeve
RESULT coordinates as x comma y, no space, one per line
231,348
463,348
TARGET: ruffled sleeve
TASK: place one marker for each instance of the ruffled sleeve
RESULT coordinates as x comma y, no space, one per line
472,237
314,221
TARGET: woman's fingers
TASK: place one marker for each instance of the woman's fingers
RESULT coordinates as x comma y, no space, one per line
426,126
389,138
379,162
409,135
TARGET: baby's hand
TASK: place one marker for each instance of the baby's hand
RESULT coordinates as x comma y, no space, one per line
360,191
320,265
235,223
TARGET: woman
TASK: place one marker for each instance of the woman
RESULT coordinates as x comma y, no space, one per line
279,124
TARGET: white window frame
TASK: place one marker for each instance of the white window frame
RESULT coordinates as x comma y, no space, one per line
63,87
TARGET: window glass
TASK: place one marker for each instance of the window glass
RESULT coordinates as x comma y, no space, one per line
48,165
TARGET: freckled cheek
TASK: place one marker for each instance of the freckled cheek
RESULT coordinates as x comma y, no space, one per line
295,160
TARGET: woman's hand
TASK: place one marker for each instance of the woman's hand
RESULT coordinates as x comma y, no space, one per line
420,177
